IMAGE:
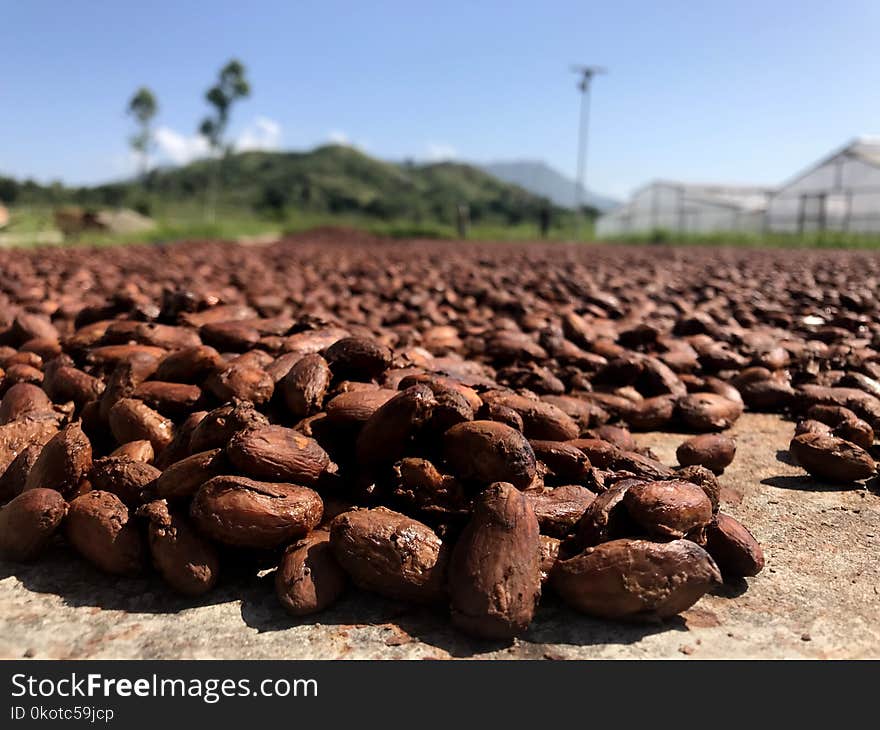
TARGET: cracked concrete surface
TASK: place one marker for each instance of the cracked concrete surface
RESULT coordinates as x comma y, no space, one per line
818,597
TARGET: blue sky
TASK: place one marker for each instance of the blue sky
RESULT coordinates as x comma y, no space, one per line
713,91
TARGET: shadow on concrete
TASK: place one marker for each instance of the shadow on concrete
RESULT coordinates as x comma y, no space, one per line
784,455
807,483
873,485
731,588
77,583
553,624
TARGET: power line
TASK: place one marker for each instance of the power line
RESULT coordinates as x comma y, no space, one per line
586,74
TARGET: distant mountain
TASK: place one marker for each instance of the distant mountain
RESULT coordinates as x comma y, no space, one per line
541,179
328,179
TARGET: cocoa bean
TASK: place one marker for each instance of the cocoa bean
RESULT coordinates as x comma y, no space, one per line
63,463
390,554
279,454
99,527
28,522
495,570
305,385
487,451
636,579
713,451
668,509
831,458
245,513
309,579
134,420
733,548
187,562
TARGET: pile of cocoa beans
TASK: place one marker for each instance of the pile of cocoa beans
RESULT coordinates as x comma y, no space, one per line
432,422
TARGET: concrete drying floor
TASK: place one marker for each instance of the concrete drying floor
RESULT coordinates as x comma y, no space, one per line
819,595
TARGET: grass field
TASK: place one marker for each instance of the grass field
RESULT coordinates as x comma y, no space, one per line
188,222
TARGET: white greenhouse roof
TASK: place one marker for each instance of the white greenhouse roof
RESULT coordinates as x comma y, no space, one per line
865,148
755,198
745,197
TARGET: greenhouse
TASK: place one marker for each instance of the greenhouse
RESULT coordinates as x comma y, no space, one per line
839,193
687,208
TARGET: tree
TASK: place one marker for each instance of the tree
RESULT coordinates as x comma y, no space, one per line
143,107
230,87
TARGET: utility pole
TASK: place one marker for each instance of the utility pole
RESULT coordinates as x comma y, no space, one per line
586,74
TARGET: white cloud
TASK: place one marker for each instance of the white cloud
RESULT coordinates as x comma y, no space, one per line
439,151
262,134
180,148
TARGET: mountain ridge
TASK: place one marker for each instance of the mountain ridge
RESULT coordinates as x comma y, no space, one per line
541,179
331,179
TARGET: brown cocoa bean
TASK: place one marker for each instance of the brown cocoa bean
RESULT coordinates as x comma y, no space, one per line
187,562
28,522
705,480
23,399
810,426
733,548
141,450
183,478
63,463
190,365
636,579
170,399
13,480
713,451
419,485
243,382
66,383
357,358
278,453
495,570
653,414
708,411
305,385
390,554
387,434
354,408
606,517
308,578
668,509
559,509
541,420
831,458
123,477
503,414
134,420
487,451
168,337
19,434
98,526
855,430
566,461
217,427
245,513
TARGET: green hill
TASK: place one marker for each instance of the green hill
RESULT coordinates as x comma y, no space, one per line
332,179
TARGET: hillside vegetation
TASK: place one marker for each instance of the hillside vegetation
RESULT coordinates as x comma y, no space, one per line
327,181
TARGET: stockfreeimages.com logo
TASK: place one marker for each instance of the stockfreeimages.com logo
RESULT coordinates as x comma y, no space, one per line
208,690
